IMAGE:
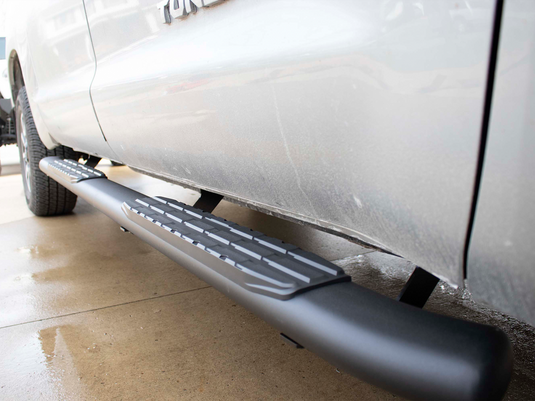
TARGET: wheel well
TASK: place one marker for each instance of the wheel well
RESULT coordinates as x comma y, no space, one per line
15,75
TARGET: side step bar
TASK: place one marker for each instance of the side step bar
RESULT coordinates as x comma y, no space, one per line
406,350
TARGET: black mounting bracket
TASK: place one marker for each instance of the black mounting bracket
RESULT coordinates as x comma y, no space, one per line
208,201
92,161
418,288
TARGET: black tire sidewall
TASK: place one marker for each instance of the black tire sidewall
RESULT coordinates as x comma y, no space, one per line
44,196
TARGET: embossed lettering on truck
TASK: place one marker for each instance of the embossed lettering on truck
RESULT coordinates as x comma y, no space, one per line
180,9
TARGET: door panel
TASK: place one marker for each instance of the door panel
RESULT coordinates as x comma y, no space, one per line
63,66
360,116
501,267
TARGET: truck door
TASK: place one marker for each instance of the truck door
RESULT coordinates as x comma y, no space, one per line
58,65
363,117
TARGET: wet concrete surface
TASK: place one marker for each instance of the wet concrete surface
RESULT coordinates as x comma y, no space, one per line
89,312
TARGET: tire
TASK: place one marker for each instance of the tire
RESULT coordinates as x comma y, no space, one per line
44,196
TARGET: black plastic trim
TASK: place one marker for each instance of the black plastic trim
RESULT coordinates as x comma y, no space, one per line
493,60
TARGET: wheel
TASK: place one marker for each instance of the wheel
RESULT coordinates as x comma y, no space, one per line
44,196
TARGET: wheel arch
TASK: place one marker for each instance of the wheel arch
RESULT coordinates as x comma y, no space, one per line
16,80
18,72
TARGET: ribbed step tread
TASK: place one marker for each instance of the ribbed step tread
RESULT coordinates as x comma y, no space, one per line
74,171
259,263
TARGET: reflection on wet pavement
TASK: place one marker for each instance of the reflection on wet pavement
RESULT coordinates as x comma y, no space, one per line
89,312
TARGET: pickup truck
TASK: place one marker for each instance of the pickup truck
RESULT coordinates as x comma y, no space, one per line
405,126
7,126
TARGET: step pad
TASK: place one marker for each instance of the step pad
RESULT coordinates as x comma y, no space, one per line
249,258
75,172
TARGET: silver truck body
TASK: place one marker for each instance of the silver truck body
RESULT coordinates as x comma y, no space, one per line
361,117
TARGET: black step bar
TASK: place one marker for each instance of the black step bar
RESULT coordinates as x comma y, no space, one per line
406,350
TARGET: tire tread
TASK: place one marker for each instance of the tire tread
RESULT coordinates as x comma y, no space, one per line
47,198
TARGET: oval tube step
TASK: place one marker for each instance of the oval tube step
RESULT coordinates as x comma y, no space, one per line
404,349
